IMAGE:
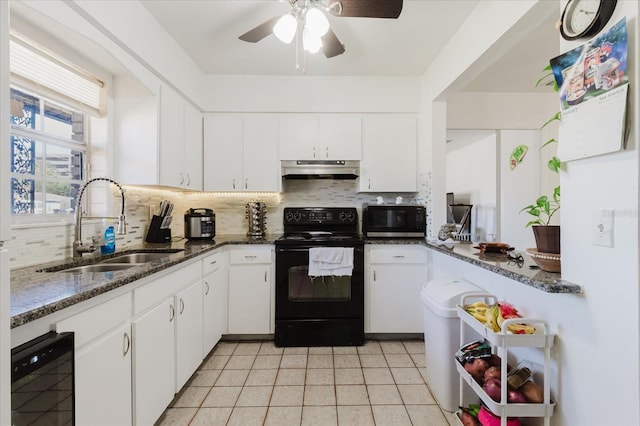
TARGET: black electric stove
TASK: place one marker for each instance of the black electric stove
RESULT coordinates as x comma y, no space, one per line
322,310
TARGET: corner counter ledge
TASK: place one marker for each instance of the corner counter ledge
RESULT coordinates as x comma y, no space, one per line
518,271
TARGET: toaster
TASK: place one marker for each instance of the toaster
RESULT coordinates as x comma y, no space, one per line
199,224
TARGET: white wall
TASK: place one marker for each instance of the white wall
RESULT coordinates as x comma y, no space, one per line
472,177
311,94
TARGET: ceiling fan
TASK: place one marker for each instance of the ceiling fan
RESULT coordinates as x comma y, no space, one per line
308,19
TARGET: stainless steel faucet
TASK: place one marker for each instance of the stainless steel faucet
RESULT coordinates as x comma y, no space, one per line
78,248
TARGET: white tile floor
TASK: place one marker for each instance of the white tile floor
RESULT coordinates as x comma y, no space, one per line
257,383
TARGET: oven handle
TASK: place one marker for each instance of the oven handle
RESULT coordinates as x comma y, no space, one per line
306,249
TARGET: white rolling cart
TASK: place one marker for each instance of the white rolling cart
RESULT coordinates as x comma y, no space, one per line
502,341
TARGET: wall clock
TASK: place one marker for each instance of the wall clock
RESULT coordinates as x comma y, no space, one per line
585,18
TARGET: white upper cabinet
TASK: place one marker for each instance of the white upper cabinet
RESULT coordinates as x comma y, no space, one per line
180,142
325,137
241,153
388,153
340,137
158,138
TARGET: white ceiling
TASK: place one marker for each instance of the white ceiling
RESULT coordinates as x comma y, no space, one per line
208,31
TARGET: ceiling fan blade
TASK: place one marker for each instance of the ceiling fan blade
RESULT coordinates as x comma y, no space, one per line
331,46
260,32
368,8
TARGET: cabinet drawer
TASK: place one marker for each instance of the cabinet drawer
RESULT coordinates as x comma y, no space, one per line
244,257
158,290
397,256
98,320
212,263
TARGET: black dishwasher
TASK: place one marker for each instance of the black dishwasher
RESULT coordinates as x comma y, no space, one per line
42,381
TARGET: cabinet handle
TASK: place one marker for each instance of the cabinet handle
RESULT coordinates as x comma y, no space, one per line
250,257
127,344
213,262
398,257
369,183
188,180
246,183
181,178
172,310
207,288
265,276
326,152
374,275
181,306
314,152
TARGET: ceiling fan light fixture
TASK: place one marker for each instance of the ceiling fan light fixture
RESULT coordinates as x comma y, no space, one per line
285,28
310,42
316,22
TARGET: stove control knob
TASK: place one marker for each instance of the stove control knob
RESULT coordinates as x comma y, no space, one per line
351,217
297,216
343,216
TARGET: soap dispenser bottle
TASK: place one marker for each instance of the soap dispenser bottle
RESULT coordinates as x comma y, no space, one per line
109,245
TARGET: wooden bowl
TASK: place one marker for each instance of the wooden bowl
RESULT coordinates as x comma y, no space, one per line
549,262
493,247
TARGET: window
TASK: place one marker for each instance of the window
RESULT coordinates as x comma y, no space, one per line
47,151
51,100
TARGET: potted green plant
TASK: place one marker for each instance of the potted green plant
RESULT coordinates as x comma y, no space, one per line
542,210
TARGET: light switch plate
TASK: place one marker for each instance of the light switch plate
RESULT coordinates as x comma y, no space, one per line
602,228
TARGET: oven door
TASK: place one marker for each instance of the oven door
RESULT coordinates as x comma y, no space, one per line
299,296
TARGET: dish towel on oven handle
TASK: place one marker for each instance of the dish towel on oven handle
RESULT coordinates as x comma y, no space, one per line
330,261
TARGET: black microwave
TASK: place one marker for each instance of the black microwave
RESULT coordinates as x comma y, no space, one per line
394,221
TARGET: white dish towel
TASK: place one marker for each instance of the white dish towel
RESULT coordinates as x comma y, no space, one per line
330,261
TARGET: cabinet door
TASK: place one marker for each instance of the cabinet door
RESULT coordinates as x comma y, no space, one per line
103,380
261,166
249,299
188,332
394,296
299,137
171,170
340,137
222,164
388,154
193,148
216,295
154,362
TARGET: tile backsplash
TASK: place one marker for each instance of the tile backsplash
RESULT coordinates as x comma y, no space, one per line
32,245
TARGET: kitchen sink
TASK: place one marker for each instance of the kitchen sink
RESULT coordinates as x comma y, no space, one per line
136,258
102,267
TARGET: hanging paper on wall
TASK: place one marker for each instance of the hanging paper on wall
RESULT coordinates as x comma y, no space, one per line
593,86
517,155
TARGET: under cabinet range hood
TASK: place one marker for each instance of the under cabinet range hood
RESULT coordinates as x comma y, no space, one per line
320,169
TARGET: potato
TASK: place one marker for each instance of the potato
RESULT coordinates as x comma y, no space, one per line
532,392
468,420
476,368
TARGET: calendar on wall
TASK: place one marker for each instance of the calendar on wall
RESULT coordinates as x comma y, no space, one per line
593,86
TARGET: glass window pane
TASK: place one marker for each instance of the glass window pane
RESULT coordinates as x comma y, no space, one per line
26,155
63,163
23,196
63,122
60,197
24,109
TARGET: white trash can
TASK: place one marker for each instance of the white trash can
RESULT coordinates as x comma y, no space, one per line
442,337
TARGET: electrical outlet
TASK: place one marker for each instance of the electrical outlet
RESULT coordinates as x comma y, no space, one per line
602,228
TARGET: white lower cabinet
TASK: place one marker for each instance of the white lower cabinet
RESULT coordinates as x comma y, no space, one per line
154,361
167,339
395,275
102,336
251,290
215,297
188,332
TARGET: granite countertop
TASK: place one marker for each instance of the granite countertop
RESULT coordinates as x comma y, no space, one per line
35,294
499,263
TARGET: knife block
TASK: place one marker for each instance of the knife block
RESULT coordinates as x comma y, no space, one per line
157,234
